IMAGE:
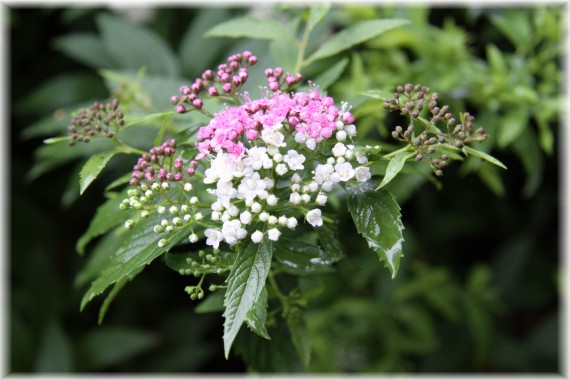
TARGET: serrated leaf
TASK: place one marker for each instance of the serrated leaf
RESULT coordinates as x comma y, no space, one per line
257,316
394,166
134,47
326,79
317,12
94,165
139,248
245,284
86,48
376,215
300,336
355,35
468,150
108,215
247,27
214,302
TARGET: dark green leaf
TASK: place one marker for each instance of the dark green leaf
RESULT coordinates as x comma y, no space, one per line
257,316
394,166
247,27
245,284
134,47
377,218
330,243
99,257
108,216
355,35
299,257
468,150
93,167
300,336
139,248
86,48
109,299
55,352
491,177
327,78
109,346
125,178
213,303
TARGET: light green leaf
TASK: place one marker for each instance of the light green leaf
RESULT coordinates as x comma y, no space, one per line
54,140
93,167
214,302
376,215
355,35
107,346
378,94
496,59
317,12
247,27
134,47
516,26
327,78
300,336
144,119
139,248
468,150
86,48
257,316
511,127
245,284
394,166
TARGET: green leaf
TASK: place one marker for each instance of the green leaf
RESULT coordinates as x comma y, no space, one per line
468,150
139,248
247,27
108,216
125,178
134,47
377,217
99,257
86,48
299,257
394,166
54,140
511,127
93,167
55,354
379,94
300,336
516,26
257,316
354,35
110,297
245,284
327,78
490,176
105,347
329,242
317,12
144,119
214,302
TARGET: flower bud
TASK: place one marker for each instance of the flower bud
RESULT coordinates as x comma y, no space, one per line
162,243
129,224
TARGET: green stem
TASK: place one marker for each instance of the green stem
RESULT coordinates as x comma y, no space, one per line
396,152
303,45
275,287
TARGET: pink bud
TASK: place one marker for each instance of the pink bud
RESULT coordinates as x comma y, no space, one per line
268,72
234,65
170,176
274,86
181,109
174,99
246,54
177,177
227,87
293,121
347,118
213,91
277,72
178,164
252,60
185,90
251,134
207,75
197,103
237,80
134,182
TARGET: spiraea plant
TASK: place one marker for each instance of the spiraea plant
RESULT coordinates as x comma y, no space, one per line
239,202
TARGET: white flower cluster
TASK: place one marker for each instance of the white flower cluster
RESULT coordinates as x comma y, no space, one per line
245,187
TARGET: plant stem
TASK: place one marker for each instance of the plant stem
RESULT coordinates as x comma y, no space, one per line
302,46
401,150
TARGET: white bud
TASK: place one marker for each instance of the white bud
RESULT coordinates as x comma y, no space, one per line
264,216
155,187
295,198
187,187
177,221
351,130
278,157
306,198
193,200
311,143
245,217
145,214
185,209
169,229
215,216
341,135
272,200
295,187
273,234
161,209
255,207
339,124
249,202
164,222
148,194
187,217
331,160
340,160
193,238
296,178
281,169
257,236
129,224
272,219
321,199
198,216
226,217
165,186
292,223
283,220
349,154
162,243
173,210
313,186
158,228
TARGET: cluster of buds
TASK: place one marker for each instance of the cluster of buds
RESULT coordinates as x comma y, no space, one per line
277,81
228,79
160,166
99,120
439,129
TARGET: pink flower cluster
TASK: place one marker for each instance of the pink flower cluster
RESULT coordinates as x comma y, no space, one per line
159,166
228,78
310,114
277,81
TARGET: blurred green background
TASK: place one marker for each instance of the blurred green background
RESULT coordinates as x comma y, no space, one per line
479,286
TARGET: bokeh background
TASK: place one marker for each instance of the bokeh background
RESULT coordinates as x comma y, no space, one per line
479,287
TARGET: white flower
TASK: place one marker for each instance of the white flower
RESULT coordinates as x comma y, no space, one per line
349,154
296,178
232,231
269,183
323,175
291,223
272,200
278,157
214,237
225,192
295,198
250,187
340,160
225,217
257,236
361,157
313,186
273,234
344,171
341,135
362,174
350,130
321,199
314,218
272,137
233,210
222,167
294,160
281,169
245,217
339,149
295,187
300,138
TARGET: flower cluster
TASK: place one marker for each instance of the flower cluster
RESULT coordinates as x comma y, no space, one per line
309,116
159,165
103,120
229,78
